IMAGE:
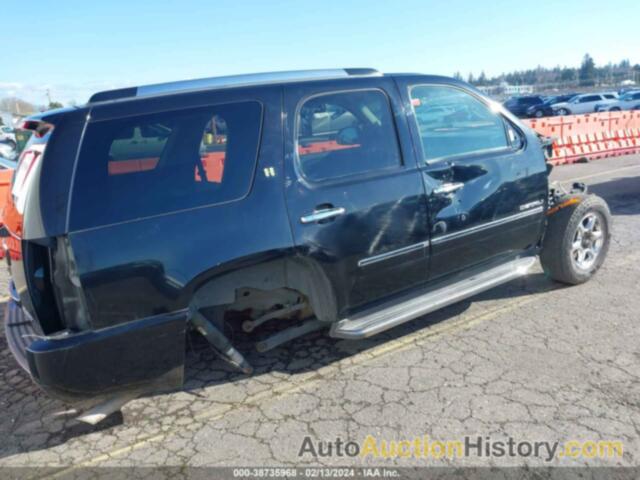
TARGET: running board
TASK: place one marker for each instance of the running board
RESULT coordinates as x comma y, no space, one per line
415,305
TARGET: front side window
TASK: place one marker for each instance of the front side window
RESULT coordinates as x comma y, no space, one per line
346,133
147,165
452,122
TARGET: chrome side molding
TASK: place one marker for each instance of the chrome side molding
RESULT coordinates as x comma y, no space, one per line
393,253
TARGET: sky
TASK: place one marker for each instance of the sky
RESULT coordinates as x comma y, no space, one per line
73,48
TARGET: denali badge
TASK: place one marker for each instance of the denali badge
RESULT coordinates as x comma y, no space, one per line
527,206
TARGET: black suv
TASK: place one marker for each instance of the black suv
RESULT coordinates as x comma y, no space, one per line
271,205
519,105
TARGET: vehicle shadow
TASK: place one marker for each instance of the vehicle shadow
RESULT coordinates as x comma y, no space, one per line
33,421
621,194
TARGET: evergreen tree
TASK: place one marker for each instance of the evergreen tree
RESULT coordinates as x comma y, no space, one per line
587,74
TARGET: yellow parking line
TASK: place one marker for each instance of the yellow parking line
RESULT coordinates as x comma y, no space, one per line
393,346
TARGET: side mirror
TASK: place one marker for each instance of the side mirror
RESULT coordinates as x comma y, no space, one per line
348,136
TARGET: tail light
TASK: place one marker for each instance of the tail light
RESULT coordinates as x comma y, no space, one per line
69,294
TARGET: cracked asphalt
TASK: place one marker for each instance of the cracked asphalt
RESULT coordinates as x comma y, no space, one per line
533,360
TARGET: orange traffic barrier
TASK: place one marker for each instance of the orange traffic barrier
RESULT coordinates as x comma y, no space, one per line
5,187
590,136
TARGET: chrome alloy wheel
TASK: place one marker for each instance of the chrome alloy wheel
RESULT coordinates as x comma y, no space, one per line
587,241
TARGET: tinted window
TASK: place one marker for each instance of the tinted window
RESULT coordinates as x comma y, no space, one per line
452,122
590,98
148,165
609,96
346,133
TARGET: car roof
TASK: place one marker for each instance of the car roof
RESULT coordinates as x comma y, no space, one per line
252,79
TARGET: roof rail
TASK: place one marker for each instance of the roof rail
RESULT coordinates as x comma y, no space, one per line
231,81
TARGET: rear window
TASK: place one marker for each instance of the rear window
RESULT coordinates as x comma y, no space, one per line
346,133
153,164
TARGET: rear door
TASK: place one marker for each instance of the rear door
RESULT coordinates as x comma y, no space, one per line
485,178
356,202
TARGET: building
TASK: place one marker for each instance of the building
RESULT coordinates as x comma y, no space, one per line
516,90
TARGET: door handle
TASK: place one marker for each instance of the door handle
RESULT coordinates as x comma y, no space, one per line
322,214
447,188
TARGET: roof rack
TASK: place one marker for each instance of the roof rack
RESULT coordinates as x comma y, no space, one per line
231,81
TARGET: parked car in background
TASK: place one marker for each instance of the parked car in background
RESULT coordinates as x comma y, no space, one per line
628,101
8,135
544,109
8,151
519,105
585,103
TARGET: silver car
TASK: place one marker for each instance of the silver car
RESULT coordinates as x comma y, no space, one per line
585,103
628,101
7,135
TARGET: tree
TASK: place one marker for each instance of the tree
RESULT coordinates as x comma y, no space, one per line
457,76
482,79
587,73
470,79
567,74
53,105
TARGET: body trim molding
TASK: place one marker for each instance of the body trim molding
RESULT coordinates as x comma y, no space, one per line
487,225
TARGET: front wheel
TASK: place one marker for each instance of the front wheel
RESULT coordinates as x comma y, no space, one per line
539,114
564,111
577,240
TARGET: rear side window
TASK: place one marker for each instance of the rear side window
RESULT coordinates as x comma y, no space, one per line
346,133
590,98
452,122
153,164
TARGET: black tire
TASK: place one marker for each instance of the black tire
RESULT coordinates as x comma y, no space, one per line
564,111
539,114
560,258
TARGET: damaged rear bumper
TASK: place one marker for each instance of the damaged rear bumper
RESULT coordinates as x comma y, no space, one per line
141,355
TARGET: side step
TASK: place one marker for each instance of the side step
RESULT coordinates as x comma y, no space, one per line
415,305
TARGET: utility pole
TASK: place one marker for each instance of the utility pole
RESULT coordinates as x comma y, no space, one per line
48,97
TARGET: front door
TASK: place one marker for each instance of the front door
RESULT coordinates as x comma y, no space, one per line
485,178
356,201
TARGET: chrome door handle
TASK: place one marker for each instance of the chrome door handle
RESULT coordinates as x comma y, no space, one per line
446,188
323,214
